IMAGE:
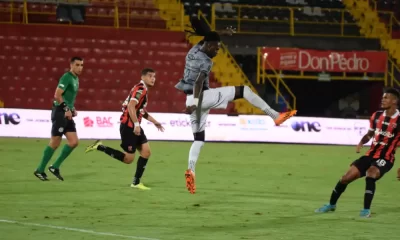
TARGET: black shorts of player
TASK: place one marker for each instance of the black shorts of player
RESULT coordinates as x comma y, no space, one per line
129,140
60,124
365,162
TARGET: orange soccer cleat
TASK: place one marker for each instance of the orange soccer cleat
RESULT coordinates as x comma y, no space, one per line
190,184
284,116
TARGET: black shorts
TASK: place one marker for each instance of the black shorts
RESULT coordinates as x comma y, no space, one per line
365,162
129,140
60,124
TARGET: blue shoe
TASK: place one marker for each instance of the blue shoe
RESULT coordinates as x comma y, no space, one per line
365,213
326,208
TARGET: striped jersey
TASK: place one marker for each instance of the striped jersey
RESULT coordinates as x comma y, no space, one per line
386,135
138,94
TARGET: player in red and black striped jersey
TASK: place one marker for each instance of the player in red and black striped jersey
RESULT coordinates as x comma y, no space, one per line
379,159
132,135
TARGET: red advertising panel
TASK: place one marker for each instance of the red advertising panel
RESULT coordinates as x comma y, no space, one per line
328,61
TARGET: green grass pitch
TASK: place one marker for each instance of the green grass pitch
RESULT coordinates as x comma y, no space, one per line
244,191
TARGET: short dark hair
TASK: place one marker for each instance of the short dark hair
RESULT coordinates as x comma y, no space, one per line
393,91
145,71
73,59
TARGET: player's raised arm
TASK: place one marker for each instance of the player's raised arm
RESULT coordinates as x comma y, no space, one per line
365,139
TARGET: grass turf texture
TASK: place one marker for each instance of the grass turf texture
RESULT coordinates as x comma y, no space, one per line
244,191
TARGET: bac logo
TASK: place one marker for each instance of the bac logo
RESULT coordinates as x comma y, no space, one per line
7,119
306,126
104,121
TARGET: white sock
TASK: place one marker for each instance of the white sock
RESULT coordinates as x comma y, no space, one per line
258,102
194,154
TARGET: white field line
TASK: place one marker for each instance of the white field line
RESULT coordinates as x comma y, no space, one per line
75,230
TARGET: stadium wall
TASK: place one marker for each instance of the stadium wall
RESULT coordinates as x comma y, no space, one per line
221,128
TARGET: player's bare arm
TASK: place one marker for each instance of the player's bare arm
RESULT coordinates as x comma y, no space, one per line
198,85
365,139
149,118
133,116
58,97
228,31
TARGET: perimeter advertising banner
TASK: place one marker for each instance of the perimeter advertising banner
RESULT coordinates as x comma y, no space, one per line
329,61
244,128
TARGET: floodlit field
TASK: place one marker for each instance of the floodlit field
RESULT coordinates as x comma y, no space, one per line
244,191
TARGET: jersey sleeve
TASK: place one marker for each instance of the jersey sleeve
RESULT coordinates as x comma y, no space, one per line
196,47
372,124
64,82
138,93
205,66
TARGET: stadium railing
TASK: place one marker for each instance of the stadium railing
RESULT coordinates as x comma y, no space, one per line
393,74
119,12
392,23
262,76
293,21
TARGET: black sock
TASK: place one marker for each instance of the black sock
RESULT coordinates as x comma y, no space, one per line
112,152
141,166
339,189
369,192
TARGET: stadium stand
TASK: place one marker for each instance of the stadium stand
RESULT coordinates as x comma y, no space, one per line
292,17
33,62
33,57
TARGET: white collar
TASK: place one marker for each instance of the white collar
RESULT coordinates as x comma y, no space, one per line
394,115
144,84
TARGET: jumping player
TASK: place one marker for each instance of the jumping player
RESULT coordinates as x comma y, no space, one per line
379,159
61,116
132,135
200,98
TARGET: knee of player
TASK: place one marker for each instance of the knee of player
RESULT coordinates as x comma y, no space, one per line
54,146
74,143
55,143
373,172
146,154
128,158
346,179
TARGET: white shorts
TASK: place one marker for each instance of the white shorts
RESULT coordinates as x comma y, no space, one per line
214,98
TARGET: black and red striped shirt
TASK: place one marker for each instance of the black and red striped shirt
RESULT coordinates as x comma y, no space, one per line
386,135
138,94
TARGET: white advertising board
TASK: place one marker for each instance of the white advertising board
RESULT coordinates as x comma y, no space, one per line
243,128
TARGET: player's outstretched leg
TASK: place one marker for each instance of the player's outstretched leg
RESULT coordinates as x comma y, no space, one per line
145,153
255,100
351,175
98,145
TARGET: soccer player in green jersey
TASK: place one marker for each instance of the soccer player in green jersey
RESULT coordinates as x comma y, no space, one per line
61,116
